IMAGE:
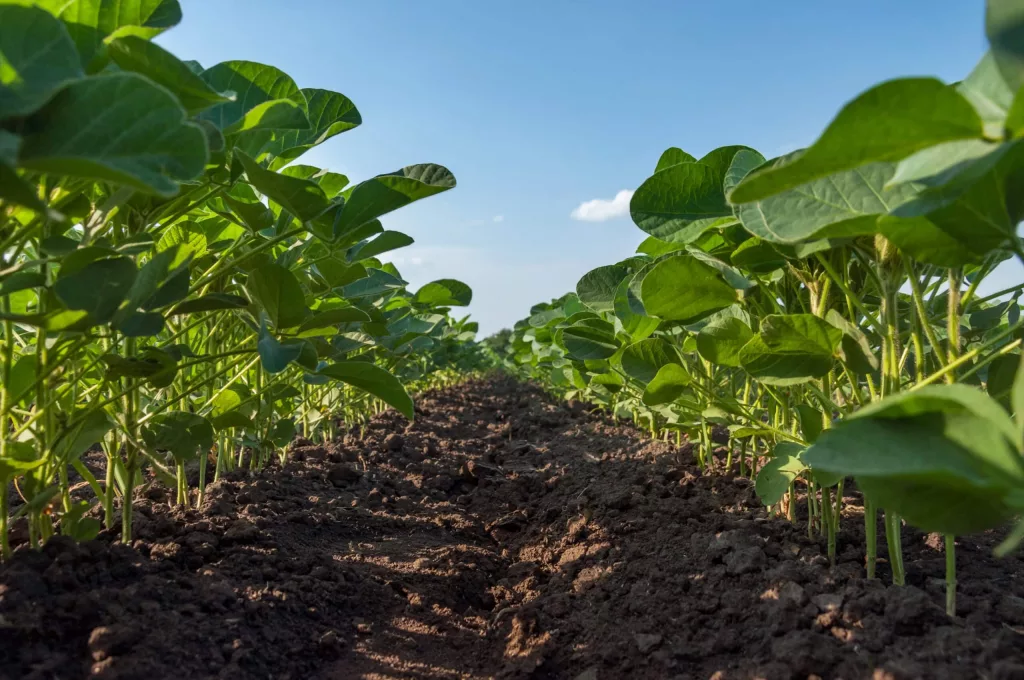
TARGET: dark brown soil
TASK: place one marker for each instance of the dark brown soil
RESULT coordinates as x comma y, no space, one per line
500,536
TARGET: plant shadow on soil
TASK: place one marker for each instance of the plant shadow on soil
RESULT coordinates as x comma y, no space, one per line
501,535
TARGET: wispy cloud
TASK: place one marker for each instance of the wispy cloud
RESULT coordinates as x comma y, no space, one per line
601,210
498,218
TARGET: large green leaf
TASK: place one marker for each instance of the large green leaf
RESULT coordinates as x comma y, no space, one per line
375,380
642,360
278,293
274,355
683,288
445,293
369,200
887,123
986,88
329,114
98,288
673,156
91,21
679,202
668,385
182,434
37,58
133,53
385,242
591,339
119,128
943,457
790,349
721,340
302,198
253,83
961,223
844,204
598,287
275,114
82,432
778,473
1004,25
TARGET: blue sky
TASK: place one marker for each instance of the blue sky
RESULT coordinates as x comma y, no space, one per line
539,106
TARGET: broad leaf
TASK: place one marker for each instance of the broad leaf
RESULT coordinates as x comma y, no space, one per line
119,128
37,58
373,379
887,123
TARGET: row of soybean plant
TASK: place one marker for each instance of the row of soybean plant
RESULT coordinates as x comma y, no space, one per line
175,288
824,306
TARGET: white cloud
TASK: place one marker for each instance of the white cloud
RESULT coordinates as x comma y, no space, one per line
601,210
499,218
417,261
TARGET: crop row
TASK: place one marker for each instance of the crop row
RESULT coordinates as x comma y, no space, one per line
824,308
175,287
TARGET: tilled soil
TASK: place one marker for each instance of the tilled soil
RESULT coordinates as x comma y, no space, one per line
501,535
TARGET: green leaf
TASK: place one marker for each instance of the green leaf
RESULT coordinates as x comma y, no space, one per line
598,287
373,379
282,432
886,123
21,457
1017,402
15,190
91,21
683,288
642,360
98,288
986,89
385,242
302,198
444,293
843,204
37,58
254,83
82,433
1004,26
183,434
791,349
330,114
721,340
274,356
678,203
811,422
375,197
943,457
278,293
119,128
322,321
673,156
142,324
777,474
757,256
22,378
254,214
593,339
668,385
209,303
656,247
276,114
856,350
139,55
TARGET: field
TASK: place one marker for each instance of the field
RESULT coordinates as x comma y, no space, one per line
782,439
504,534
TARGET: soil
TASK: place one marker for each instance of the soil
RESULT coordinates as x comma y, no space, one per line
502,535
